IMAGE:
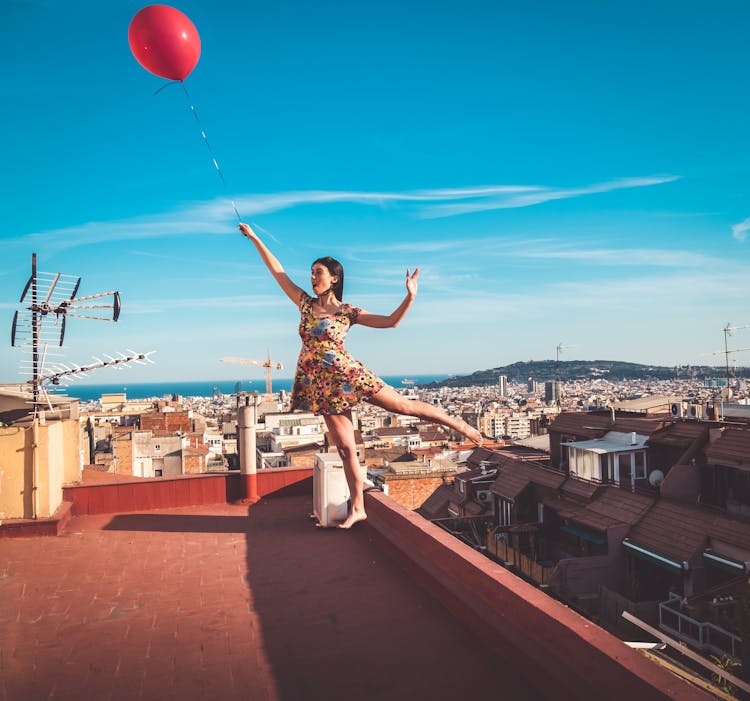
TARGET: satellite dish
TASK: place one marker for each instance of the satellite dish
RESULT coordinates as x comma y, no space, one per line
655,478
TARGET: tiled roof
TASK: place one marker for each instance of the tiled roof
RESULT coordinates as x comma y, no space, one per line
515,475
477,474
474,509
302,448
408,456
673,529
480,455
575,511
679,433
433,435
581,489
436,505
732,449
395,431
510,483
612,507
731,531
623,505
589,425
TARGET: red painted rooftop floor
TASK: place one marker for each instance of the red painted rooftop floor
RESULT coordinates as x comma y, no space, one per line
228,602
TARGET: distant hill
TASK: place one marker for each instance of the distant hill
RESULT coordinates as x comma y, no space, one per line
612,370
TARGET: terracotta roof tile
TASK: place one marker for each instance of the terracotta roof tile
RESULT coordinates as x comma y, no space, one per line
395,431
621,504
731,531
680,433
588,425
516,475
732,449
480,455
580,514
612,507
436,505
581,489
673,529
470,475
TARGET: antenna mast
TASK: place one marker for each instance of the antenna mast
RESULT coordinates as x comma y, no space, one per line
55,294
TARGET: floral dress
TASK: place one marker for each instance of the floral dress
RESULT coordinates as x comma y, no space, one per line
328,379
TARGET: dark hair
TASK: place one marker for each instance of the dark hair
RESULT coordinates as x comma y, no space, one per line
336,270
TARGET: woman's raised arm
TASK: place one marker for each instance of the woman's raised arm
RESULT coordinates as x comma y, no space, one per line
381,321
291,290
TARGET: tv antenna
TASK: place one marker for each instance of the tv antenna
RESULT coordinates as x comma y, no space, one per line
560,348
53,296
728,331
268,364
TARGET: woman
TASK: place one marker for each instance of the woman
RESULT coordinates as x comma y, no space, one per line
329,382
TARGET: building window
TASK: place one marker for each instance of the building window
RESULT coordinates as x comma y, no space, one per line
157,473
640,465
505,512
625,467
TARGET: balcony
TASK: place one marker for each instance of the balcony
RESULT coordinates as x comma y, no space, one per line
173,589
537,572
691,627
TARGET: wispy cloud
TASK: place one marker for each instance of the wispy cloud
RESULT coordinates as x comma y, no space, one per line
520,249
639,257
739,231
213,217
538,195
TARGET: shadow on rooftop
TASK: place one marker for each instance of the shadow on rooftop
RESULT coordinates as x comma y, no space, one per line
178,523
341,620
394,609
337,617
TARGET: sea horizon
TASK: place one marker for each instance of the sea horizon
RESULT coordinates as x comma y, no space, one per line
207,388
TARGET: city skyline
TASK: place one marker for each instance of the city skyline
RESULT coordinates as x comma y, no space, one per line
572,174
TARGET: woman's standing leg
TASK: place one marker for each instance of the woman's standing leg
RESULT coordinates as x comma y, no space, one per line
341,433
387,398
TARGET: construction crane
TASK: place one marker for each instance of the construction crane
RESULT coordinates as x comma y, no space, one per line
268,364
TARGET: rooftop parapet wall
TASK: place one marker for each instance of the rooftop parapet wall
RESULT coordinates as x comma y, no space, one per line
568,657
182,490
35,461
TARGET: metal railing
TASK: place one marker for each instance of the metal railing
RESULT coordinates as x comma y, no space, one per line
703,635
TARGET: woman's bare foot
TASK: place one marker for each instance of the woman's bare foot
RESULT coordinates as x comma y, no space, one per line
473,434
354,517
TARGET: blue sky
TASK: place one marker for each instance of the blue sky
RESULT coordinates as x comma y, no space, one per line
573,173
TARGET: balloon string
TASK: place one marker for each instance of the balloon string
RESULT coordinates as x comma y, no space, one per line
205,140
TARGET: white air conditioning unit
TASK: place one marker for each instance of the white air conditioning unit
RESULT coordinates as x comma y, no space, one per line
678,410
330,490
696,411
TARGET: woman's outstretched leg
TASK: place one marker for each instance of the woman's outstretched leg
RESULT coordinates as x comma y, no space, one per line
341,433
387,398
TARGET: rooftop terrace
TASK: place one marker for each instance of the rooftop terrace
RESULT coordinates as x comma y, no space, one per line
230,601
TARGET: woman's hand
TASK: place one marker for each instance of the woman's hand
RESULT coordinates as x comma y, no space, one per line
411,282
247,232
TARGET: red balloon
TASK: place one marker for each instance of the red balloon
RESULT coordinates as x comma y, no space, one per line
164,41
